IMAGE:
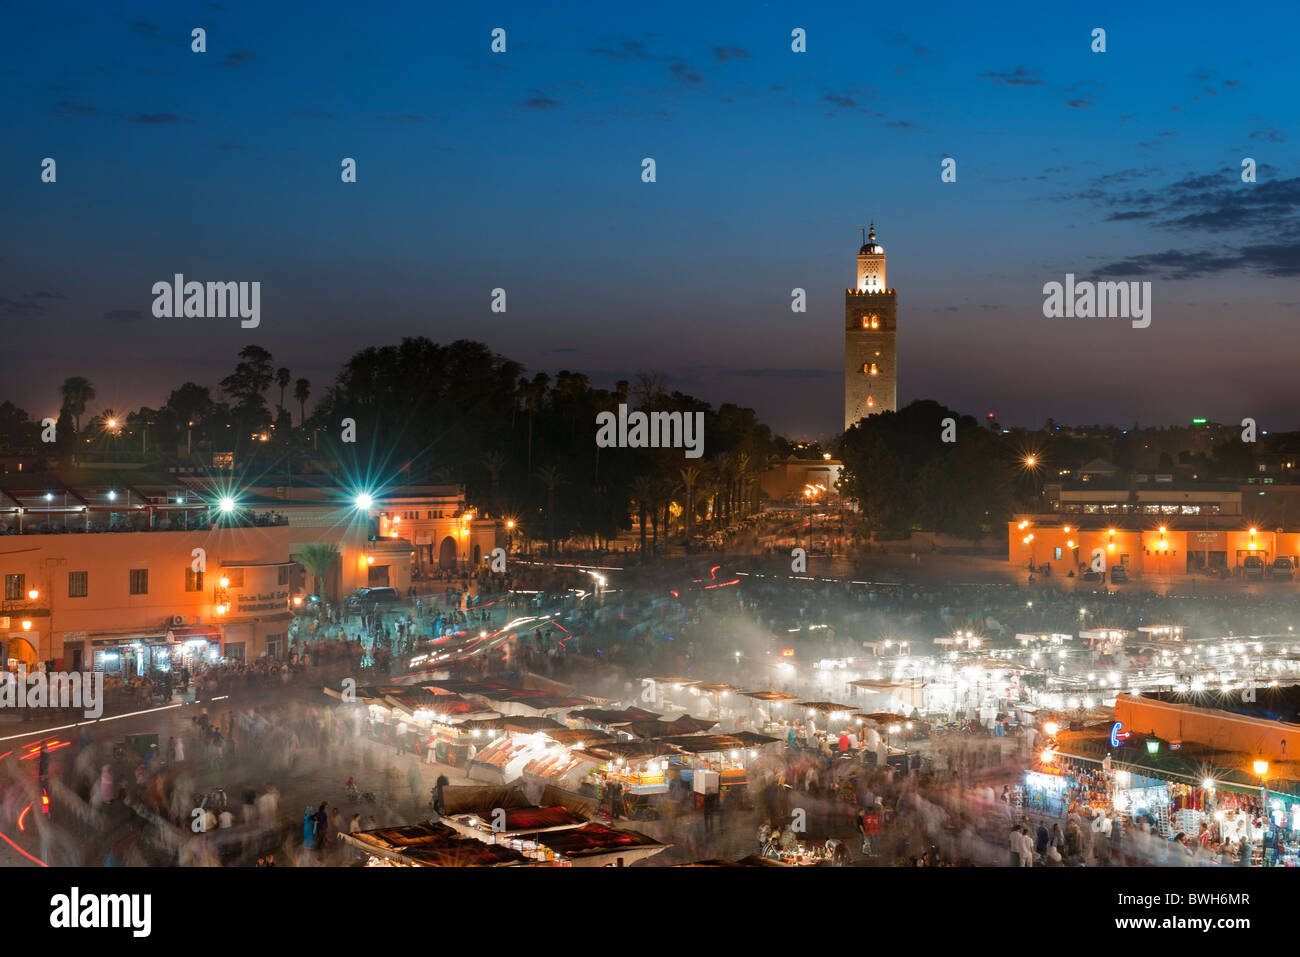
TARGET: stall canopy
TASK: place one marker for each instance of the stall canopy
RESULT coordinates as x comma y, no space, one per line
770,695
577,737
606,717
663,729
708,743
826,707
629,750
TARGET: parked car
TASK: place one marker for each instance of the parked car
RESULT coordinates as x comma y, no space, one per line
1283,570
1252,568
372,596
1118,575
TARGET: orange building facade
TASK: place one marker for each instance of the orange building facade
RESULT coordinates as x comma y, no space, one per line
1157,551
144,600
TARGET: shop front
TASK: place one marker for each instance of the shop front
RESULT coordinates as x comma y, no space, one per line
130,656
191,646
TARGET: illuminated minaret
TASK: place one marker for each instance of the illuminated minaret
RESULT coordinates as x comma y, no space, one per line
870,355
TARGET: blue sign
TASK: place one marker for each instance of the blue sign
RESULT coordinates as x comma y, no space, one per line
1114,733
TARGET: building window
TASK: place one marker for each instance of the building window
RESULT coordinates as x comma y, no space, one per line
1056,553
193,580
284,575
78,584
234,651
139,581
235,576
15,587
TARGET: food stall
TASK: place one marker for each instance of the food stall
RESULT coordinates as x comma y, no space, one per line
772,715
638,768
727,755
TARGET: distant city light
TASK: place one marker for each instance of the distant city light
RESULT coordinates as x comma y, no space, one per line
226,504
364,501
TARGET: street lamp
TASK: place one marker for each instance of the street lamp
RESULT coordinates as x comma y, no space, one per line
364,501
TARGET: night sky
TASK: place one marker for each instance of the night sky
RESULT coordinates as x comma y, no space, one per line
523,170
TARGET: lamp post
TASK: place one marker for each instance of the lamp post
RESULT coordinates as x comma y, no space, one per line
1261,771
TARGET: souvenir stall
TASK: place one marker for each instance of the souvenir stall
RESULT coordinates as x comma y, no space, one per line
1139,796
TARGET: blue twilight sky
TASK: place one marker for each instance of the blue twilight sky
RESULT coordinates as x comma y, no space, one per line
522,170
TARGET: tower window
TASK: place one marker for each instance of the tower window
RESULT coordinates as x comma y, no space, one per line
870,368
870,402
870,322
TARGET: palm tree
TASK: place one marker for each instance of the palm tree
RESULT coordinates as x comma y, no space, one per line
318,559
494,462
742,467
282,379
643,490
690,475
77,393
302,392
550,477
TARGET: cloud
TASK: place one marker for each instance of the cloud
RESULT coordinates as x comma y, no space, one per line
1269,133
539,101
1171,264
623,51
68,108
1017,77
723,54
1082,103
1209,207
683,72
20,308
156,118
124,315
839,99
902,125
238,58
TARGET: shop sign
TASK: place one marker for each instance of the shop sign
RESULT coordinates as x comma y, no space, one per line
1207,541
262,601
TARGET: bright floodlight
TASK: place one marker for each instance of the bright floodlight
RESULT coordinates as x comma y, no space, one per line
364,501
227,504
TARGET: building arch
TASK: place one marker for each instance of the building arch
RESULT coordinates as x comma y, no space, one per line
22,650
447,553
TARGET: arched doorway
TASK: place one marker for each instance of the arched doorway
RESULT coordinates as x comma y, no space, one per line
447,554
22,650
478,554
